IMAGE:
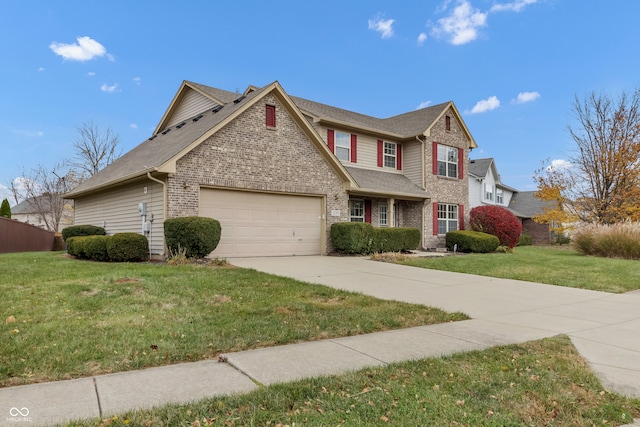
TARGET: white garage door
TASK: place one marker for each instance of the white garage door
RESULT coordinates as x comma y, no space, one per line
261,224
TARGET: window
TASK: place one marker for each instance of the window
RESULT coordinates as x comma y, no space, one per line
447,218
343,146
488,192
389,155
447,123
270,116
499,196
356,210
383,217
447,161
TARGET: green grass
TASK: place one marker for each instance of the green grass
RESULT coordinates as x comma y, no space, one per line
538,383
550,265
63,318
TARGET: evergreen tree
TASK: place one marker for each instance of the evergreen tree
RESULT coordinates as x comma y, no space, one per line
5,209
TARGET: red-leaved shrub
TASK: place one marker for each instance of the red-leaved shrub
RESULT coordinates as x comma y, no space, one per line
497,221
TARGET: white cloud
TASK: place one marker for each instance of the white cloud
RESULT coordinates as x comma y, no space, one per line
85,50
29,133
484,105
106,88
385,28
515,6
421,38
91,73
527,97
40,69
137,80
461,26
133,126
559,164
424,104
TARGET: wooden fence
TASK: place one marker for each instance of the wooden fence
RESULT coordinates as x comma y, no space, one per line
16,236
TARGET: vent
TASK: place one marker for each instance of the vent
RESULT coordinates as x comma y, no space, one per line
239,99
166,131
180,125
195,119
152,137
217,108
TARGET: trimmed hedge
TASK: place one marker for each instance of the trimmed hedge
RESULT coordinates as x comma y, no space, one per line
124,247
361,238
197,236
121,247
82,230
471,241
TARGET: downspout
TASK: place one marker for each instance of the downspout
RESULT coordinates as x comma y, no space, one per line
164,206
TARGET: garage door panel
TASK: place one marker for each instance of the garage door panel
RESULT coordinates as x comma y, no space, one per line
262,224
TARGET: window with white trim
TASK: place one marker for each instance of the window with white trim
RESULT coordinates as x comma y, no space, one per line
356,210
343,146
447,218
390,150
447,161
499,196
488,192
383,215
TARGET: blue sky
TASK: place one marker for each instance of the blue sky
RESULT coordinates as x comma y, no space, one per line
512,67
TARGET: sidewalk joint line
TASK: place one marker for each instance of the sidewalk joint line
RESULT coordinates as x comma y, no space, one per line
95,387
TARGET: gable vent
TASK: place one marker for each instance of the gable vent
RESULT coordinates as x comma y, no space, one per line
152,137
181,124
166,131
217,108
239,99
195,119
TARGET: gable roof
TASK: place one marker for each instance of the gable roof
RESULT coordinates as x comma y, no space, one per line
526,205
385,184
479,168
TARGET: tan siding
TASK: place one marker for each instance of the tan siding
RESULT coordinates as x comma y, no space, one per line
412,162
192,104
119,209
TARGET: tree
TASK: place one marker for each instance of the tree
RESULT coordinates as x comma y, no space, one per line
5,209
601,181
497,221
94,150
44,189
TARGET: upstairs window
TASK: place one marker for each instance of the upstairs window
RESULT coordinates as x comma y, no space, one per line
389,155
270,116
447,161
488,192
499,196
343,146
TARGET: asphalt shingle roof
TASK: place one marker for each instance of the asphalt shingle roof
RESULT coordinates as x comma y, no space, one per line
385,182
526,204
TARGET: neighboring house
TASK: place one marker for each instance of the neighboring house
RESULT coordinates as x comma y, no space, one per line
485,186
38,212
277,171
525,205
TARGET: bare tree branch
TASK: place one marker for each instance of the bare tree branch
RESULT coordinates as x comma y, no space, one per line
94,149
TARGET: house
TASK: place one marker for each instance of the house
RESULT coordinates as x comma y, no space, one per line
525,205
40,212
485,186
277,171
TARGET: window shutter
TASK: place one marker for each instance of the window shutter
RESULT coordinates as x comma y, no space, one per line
270,116
380,153
367,211
354,148
399,157
331,140
435,219
460,163
434,158
460,217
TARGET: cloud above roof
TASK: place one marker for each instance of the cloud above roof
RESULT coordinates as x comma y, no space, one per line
485,105
515,6
527,97
85,49
384,27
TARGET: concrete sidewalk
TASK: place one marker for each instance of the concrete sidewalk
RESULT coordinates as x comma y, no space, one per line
602,326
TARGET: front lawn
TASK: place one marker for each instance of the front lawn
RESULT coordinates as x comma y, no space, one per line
540,383
63,318
561,266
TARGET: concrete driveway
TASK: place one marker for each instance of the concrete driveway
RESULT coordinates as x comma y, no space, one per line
604,327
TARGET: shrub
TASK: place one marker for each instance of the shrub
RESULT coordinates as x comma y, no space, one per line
471,241
395,239
95,248
5,209
125,247
82,230
352,237
498,221
616,241
525,240
75,246
58,243
197,236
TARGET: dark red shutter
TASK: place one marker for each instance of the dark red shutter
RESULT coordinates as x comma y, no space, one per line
331,140
435,219
354,148
460,217
380,153
434,157
460,163
270,116
399,157
367,211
